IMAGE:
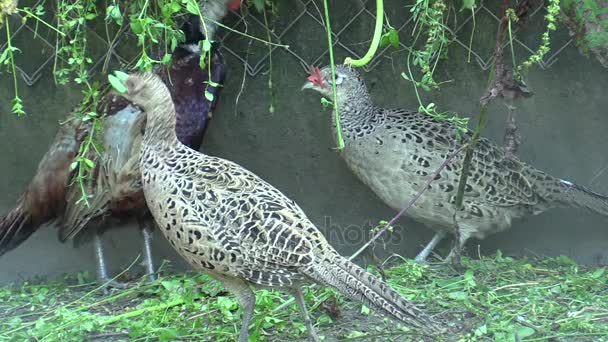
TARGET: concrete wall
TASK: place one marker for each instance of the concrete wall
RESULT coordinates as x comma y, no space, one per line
563,127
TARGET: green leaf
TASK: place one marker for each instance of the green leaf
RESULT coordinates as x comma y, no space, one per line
468,4
168,334
214,84
259,5
458,295
384,41
523,332
117,84
89,163
171,8
166,59
136,27
482,330
192,7
598,273
206,45
209,96
325,103
393,37
364,310
18,106
114,13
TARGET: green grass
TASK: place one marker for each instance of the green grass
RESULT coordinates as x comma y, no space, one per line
496,299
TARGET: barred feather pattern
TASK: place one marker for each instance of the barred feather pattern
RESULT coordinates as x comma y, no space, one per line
395,151
229,222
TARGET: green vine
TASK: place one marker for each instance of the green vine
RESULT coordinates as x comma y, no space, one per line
151,22
333,78
512,18
429,16
7,8
552,12
375,39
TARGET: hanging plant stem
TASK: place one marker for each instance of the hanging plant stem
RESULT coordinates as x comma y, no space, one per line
339,139
375,40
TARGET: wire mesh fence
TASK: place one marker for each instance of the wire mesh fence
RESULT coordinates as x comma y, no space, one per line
297,24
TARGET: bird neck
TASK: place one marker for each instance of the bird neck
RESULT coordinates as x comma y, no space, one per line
160,123
356,112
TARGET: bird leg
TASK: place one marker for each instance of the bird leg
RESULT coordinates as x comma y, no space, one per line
459,242
146,231
102,271
424,254
454,256
297,293
247,299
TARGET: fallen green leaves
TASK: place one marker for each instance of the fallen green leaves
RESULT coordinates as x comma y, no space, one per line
495,299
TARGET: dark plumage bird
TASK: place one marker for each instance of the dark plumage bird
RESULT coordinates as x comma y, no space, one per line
227,221
394,152
115,189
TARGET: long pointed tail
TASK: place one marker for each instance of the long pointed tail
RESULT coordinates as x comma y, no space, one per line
579,196
16,226
360,285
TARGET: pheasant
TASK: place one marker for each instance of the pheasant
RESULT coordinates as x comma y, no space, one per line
394,152
115,188
227,221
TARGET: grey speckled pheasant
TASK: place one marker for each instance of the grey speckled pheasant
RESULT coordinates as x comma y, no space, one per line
241,230
394,152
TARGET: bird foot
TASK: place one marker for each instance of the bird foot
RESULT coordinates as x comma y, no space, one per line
454,259
109,284
420,259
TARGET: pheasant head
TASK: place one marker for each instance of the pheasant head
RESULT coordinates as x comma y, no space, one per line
349,86
146,90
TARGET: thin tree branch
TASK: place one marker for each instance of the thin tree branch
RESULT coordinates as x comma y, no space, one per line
411,202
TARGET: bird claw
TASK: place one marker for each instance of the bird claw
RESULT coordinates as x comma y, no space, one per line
454,259
152,277
108,284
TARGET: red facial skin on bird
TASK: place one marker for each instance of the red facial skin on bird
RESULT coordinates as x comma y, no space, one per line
315,76
234,5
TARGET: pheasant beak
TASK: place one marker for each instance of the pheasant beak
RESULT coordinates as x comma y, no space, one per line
314,85
308,85
315,79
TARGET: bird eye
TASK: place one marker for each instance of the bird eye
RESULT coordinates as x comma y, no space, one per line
339,78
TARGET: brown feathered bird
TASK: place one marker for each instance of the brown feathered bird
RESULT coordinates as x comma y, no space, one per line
114,189
227,221
394,152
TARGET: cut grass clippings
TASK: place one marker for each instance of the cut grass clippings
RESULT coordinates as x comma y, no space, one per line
495,299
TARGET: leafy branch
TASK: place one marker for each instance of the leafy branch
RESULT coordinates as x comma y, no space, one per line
7,8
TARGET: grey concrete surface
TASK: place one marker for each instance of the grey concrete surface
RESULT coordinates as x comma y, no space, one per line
563,127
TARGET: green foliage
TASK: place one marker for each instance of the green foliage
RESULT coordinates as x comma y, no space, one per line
429,16
151,22
584,15
494,299
7,58
552,13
